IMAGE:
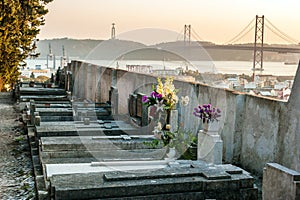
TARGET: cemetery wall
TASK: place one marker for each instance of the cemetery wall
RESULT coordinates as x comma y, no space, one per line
255,130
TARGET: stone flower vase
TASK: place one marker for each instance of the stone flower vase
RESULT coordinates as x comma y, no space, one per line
171,154
210,127
210,144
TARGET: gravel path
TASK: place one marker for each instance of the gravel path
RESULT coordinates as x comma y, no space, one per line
16,179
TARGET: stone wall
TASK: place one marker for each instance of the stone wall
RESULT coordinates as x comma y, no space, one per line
254,130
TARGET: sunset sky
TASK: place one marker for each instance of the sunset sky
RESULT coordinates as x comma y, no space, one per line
213,20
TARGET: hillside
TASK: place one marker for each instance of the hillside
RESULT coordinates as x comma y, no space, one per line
110,49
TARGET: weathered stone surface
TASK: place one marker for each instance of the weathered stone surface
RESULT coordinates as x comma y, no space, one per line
56,118
179,182
54,105
93,129
210,148
55,111
88,149
104,155
94,143
41,91
44,97
280,182
84,168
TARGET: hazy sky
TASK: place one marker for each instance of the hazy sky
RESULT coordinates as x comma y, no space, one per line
213,20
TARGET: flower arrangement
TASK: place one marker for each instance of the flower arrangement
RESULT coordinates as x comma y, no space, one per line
163,96
207,113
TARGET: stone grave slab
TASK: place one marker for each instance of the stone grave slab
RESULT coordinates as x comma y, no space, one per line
75,168
64,149
93,143
53,102
175,180
55,111
53,105
104,155
43,98
103,128
41,91
56,118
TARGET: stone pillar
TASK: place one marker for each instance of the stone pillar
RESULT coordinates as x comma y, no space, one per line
210,147
114,99
114,78
98,90
141,110
35,114
69,82
280,182
37,120
32,110
86,121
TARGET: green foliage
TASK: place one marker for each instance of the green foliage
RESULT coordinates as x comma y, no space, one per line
153,143
19,138
20,21
185,143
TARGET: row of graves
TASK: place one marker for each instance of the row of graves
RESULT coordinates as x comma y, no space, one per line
82,150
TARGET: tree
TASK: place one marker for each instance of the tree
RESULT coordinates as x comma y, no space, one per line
19,25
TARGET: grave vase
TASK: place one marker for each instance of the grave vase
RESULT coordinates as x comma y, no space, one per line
210,127
171,119
171,154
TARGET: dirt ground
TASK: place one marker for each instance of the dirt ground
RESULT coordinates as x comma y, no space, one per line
16,179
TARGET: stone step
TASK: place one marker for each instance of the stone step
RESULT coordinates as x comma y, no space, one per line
173,180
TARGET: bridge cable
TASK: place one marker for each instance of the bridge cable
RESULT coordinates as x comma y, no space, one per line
279,35
198,38
289,38
180,35
238,35
241,36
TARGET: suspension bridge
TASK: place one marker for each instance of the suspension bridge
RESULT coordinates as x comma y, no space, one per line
258,28
258,24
